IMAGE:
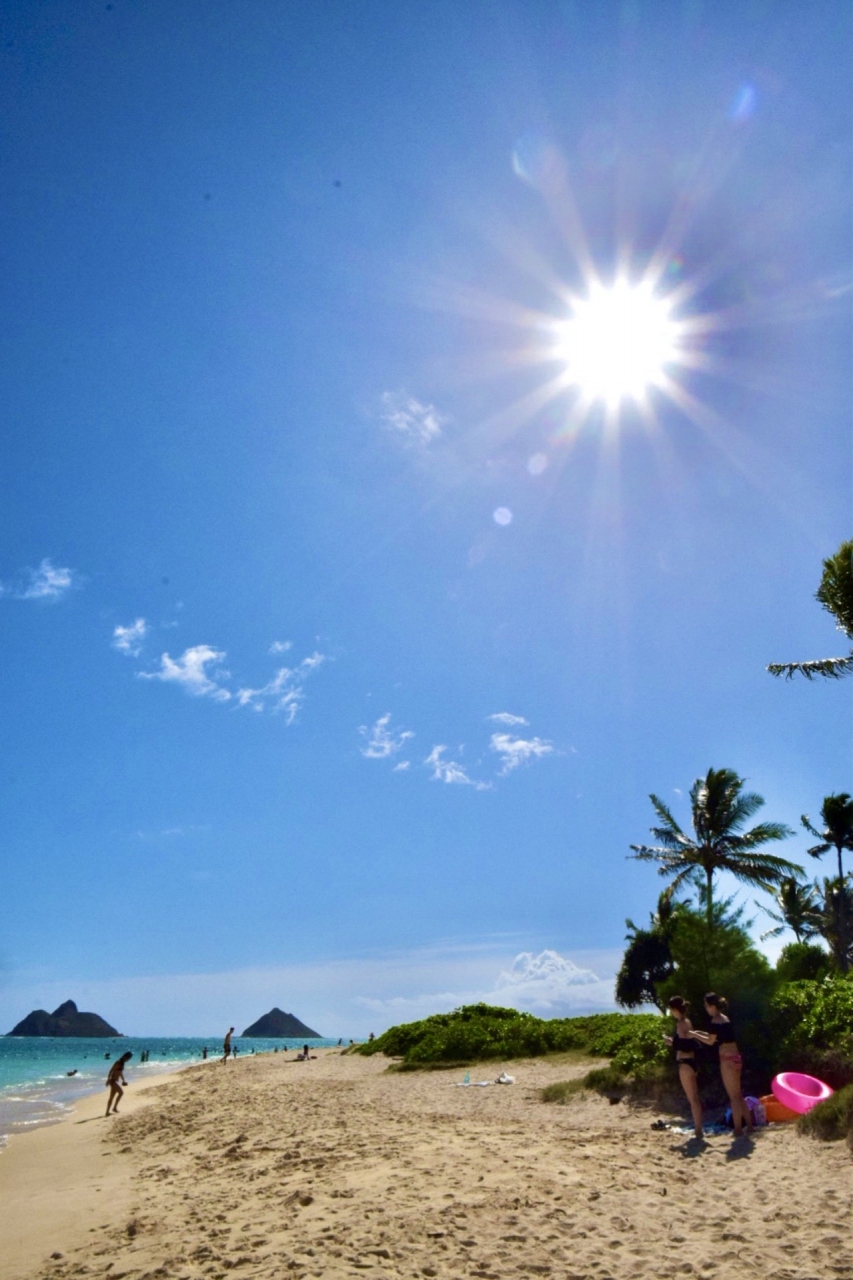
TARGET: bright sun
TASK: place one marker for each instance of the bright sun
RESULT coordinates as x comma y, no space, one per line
618,342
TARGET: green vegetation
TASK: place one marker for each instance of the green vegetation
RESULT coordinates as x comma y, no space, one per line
835,593
720,810
831,1120
800,961
480,1032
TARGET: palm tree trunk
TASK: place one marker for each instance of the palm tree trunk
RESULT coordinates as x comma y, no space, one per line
840,868
709,925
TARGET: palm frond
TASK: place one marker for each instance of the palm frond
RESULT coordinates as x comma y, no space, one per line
829,668
665,814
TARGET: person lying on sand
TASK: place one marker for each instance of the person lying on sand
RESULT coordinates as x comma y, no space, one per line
115,1080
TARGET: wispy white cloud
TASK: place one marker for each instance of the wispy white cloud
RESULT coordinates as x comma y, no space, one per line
419,423
517,751
49,582
402,766
284,693
450,770
191,672
506,717
380,741
130,639
280,646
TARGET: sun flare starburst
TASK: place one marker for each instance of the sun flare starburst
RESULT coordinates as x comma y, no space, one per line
619,342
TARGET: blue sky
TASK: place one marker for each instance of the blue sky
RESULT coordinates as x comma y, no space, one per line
340,655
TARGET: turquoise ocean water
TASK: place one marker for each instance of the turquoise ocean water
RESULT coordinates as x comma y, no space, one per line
35,1087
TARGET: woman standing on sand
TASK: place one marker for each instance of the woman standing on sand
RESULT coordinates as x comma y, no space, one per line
722,1035
115,1080
685,1057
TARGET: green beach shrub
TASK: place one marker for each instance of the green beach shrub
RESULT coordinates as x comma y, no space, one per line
831,1120
811,1028
800,961
480,1032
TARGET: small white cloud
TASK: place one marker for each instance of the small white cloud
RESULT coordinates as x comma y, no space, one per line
380,741
516,751
280,646
284,693
129,639
402,766
419,423
502,516
47,582
190,671
506,717
450,770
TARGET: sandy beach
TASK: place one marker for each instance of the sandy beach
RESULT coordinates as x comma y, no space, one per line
335,1168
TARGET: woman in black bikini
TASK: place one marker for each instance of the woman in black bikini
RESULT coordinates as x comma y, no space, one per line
722,1035
685,1056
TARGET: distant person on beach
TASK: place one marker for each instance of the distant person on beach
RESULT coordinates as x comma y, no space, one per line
226,1047
685,1057
722,1037
115,1080
204,1054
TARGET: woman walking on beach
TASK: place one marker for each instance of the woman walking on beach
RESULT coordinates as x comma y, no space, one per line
722,1036
115,1080
685,1056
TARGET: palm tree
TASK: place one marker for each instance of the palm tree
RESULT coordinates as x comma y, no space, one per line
835,593
798,910
836,920
837,814
720,809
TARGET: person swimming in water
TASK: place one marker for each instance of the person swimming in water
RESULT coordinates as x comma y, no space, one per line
115,1080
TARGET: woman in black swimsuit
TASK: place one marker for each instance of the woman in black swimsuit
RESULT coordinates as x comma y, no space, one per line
685,1056
722,1035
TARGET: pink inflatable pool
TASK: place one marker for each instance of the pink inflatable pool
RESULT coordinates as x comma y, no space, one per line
799,1092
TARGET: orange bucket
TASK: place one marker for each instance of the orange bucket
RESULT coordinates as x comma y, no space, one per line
775,1110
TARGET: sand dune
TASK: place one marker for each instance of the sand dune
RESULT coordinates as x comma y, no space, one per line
332,1168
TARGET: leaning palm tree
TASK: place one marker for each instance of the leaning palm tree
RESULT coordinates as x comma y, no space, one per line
720,809
835,593
798,910
837,834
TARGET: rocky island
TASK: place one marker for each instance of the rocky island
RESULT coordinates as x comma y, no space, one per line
277,1025
67,1020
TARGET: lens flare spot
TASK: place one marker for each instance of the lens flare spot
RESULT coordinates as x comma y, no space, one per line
537,464
502,516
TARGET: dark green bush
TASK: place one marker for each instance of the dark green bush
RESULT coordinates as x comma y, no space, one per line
800,961
830,1120
479,1032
